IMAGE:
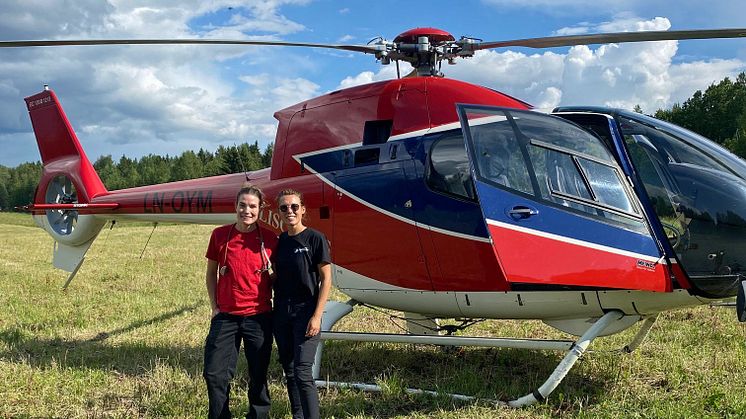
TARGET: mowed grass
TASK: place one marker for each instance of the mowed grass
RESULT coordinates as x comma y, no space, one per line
125,340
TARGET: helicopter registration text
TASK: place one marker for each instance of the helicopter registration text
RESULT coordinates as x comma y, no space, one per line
178,201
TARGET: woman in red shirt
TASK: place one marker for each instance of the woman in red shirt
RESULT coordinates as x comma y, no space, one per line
240,292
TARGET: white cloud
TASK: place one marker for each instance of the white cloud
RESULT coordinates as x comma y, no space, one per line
290,91
140,100
165,99
566,7
385,73
620,75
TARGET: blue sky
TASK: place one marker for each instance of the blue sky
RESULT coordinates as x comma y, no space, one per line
138,100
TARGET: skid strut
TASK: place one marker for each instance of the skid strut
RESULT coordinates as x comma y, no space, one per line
336,311
577,350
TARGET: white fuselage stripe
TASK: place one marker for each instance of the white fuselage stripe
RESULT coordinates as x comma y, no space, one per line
576,242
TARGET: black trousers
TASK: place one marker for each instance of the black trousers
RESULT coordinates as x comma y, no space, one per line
297,352
221,353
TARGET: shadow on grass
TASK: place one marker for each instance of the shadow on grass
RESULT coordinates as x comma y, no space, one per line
129,358
489,374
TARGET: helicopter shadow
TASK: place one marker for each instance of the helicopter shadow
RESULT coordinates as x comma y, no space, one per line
489,374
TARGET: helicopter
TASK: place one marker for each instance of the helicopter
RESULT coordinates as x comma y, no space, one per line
476,205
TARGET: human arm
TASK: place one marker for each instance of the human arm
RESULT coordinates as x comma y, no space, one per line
325,286
211,281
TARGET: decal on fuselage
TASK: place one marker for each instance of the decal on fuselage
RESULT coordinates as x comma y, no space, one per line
645,264
271,218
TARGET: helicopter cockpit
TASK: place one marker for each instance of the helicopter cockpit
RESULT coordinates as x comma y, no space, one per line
696,188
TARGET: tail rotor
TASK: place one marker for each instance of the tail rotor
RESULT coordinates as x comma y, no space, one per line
61,190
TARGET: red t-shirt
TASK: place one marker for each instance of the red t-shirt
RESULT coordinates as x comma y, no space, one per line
244,289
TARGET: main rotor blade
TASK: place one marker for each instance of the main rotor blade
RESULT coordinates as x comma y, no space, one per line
617,37
66,42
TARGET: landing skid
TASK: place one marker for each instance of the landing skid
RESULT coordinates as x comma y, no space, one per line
335,311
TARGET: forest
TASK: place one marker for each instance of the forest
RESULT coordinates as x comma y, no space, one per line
17,185
718,113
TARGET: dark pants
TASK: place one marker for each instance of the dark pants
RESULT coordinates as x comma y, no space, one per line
297,353
221,353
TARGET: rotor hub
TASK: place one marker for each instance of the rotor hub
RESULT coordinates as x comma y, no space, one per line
433,34
425,49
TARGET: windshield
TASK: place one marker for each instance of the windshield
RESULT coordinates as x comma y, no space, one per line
698,191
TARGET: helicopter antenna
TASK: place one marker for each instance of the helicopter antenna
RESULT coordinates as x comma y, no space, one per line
240,160
155,224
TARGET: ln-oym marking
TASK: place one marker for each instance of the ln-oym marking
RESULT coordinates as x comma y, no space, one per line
178,201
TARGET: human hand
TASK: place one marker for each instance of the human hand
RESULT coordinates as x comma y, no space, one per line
214,313
314,326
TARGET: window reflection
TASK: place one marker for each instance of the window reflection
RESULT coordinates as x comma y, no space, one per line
552,160
700,202
449,168
499,157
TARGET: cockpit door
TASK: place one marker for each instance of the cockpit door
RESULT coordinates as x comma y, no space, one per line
556,203
669,234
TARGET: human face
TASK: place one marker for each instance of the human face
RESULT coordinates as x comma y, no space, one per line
293,219
247,210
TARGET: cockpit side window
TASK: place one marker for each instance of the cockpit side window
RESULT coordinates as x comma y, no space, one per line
499,156
448,168
574,169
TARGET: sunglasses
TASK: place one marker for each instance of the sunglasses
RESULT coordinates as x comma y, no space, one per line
293,207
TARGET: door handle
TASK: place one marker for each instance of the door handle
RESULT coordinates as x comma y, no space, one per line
520,212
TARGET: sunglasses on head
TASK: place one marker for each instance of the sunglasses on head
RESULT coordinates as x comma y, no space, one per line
294,207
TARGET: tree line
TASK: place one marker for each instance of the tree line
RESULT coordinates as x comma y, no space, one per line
718,113
18,184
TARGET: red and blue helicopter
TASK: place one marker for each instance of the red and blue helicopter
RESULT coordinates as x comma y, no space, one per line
444,199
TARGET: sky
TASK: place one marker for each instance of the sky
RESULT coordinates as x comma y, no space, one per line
139,100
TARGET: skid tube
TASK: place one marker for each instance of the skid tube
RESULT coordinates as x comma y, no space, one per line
335,311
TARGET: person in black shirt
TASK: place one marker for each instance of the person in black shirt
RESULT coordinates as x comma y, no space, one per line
301,288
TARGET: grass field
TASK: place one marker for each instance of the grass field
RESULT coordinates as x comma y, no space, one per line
125,340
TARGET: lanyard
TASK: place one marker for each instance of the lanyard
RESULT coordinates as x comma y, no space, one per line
266,263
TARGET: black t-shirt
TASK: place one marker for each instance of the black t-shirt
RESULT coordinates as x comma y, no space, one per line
295,261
